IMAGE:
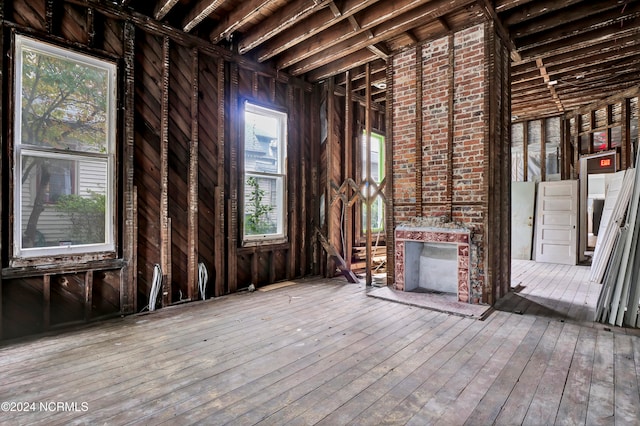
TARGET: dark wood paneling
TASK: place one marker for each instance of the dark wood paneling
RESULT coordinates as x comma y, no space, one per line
148,74
73,24
22,307
179,138
207,165
67,296
105,294
30,14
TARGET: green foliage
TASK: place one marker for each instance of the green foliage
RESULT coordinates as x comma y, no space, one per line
87,215
257,213
64,103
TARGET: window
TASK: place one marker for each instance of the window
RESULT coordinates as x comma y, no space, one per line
377,174
265,141
64,151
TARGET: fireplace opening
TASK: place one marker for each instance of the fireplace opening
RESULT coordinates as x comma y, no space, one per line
431,267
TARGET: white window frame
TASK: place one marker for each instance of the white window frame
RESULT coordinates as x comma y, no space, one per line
280,175
380,140
20,150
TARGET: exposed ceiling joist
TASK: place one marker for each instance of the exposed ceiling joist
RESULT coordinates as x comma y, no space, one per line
400,24
247,11
162,8
278,22
309,28
198,12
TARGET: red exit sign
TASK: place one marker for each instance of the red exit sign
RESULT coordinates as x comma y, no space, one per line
605,162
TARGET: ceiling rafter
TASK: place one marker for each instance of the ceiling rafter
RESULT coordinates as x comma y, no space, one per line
162,8
308,28
199,11
245,12
318,53
341,65
377,48
550,84
536,9
572,14
584,40
280,21
343,29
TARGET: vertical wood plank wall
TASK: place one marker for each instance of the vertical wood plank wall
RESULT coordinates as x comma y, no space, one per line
179,170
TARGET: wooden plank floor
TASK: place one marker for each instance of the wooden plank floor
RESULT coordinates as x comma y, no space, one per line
322,352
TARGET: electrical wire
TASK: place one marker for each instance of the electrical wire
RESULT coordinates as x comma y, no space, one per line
155,286
203,277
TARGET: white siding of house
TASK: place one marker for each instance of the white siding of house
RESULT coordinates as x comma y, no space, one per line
90,176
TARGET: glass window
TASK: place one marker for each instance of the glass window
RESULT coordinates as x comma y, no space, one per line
64,151
517,152
265,141
534,137
552,148
377,175
600,141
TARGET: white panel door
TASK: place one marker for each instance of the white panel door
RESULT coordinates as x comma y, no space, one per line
556,222
523,197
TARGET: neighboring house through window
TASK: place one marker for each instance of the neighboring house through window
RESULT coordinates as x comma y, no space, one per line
265,141
64,151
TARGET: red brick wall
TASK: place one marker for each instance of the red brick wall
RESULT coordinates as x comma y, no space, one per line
468,203
404,135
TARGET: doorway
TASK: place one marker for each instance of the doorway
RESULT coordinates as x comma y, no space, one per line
595,172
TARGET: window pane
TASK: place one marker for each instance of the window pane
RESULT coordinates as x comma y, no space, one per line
534,138
517,164
64,103
265,138
262,210
517,135
377,175
616,136
64,152
58,207
262,147
552,148
377,215
600,141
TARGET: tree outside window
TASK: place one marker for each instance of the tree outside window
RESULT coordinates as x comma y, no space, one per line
265,136
64,149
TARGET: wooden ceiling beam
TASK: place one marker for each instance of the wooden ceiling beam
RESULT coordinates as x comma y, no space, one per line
534,10
582,64
491,14
504,5
607,50
244,13
341,65
304,29
573,14
380,49
389,28
162,8
357,73
335,9
550,84
443,22
345,30
581,41
198,12
282,19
